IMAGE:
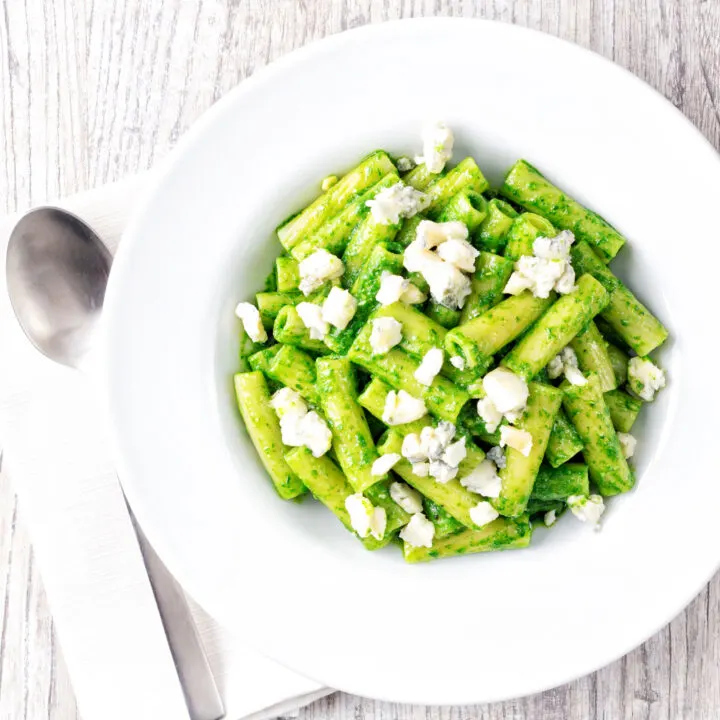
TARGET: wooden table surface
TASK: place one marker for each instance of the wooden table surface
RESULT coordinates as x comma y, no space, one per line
93,90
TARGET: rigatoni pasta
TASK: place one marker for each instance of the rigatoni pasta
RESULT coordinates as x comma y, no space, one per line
442,367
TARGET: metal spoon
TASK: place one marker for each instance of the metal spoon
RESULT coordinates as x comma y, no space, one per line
57,272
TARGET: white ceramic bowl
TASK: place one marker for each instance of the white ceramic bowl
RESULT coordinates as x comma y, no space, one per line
299,587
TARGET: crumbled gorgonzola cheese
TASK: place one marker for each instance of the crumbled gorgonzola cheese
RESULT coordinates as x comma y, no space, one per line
318,268
483,513
507,391
384,464
438,141
497,455
566,362
339,308
396,202
308,429
312,317
484,479
627,444
459,253
430,366
520,440
386,334
409,499
419,532
287,401
455,453
587,509
489,414
645,378
548,268
365,518
250,317
448,285
401,408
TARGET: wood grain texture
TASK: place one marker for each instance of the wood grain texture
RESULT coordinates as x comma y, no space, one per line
93,90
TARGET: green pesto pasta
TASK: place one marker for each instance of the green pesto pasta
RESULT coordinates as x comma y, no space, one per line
406,373
501,534
526,186
352,441
587,410
253,399
557,327
479,339
366,174
518,475
494,229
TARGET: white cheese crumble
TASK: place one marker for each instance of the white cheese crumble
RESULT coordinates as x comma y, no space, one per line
401,408
483,480
455,453
587,509
489,414
404,164
566,363
365,518
391,288
507,391
497,455
250,317
434,440
430,366
419,532
556,248
421,469
309,430
433,453
339,308
315,433
431,234
483,513
299,427
413,295
555,367
459,253
286,402
438,141
442,472
312,317
448,285
412,448
627,444
645,378
396,202
385,463
409,499
550,518
386,334
520,440
457,362
394,288
318,268
548,268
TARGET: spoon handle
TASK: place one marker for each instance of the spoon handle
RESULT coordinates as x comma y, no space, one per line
198,683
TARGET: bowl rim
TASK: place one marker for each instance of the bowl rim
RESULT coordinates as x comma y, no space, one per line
132,233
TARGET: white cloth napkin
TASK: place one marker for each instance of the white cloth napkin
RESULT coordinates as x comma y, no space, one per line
56,455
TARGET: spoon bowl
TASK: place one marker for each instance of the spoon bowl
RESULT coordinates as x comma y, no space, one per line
57,272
